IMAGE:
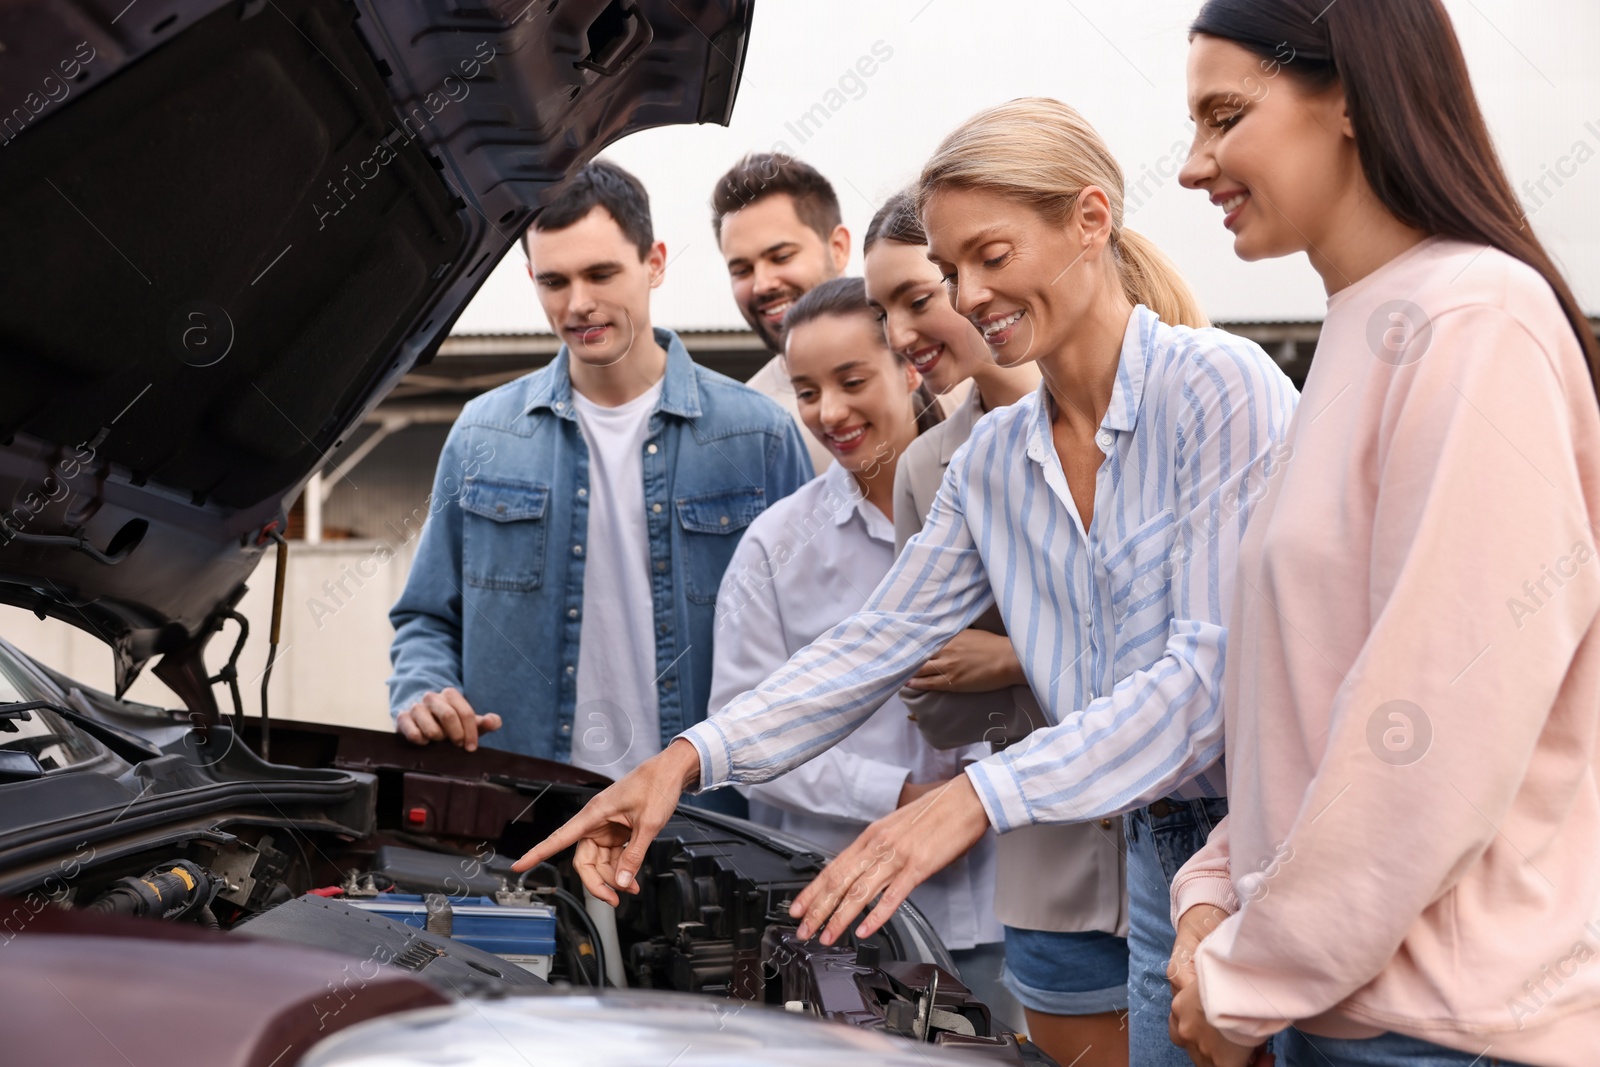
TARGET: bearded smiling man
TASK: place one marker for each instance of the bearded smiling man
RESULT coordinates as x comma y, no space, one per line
562,604
778,224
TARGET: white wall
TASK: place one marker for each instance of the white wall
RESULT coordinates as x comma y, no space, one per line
332,659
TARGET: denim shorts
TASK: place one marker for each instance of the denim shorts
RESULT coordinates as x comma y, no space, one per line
1072,973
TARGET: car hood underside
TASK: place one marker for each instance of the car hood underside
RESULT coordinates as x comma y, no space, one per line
232,227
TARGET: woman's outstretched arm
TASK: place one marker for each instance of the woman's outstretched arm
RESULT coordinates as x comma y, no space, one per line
934,591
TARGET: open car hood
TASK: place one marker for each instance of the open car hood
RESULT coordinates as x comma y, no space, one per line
231,227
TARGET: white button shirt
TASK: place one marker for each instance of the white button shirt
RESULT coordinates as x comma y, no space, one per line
804,565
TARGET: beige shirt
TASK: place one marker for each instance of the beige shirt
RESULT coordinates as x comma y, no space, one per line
1412,686
1062,877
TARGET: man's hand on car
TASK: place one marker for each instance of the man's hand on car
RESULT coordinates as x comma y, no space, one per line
617,825
437,716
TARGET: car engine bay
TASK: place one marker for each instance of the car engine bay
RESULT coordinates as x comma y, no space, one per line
428,889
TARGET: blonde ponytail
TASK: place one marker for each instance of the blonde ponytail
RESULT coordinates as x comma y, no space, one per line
1151,279
1043,153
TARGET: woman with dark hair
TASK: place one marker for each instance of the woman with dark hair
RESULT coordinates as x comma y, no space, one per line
1408,873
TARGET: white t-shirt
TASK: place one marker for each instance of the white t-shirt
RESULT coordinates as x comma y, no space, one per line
616,724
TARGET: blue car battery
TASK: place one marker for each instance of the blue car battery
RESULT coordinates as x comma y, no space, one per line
523,934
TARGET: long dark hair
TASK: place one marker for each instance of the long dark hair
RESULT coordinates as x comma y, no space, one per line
1424,146
848,296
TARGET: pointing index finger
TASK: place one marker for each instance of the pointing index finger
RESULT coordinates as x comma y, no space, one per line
576,829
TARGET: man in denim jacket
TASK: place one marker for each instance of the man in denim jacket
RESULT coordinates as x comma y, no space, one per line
562,597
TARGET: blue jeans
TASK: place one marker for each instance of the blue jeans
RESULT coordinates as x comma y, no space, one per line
1157,846
1386,1050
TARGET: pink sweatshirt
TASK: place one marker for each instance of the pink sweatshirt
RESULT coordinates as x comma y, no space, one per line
1412,686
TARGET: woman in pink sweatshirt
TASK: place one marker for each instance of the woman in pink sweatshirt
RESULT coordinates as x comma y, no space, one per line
1410,870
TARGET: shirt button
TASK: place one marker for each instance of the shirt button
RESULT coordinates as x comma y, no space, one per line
582,493
1088,619
577,550
661,564
1105,824
571,669
566,728
656,508
560,406
650,449
572,613
499,509
1104,438
662,628
723,520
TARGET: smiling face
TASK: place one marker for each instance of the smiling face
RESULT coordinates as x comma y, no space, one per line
594,286
906,291
774,258
1024,280
1276,156
854,395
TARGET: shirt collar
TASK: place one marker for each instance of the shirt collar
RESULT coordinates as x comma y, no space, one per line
840,481
1138,348
680,390
1127,391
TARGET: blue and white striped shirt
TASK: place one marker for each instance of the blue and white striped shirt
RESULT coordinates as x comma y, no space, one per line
1120,628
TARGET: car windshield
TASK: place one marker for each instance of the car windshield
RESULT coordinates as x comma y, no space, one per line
52,740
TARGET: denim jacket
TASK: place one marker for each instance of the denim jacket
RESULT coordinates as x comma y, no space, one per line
494,602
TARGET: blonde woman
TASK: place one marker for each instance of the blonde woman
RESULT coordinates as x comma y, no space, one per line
1059,889
1102,516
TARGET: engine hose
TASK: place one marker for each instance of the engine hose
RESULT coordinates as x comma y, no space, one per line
576,907
230,670
602,940
575,947
169,891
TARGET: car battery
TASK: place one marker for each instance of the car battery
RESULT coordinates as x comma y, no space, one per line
523,934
